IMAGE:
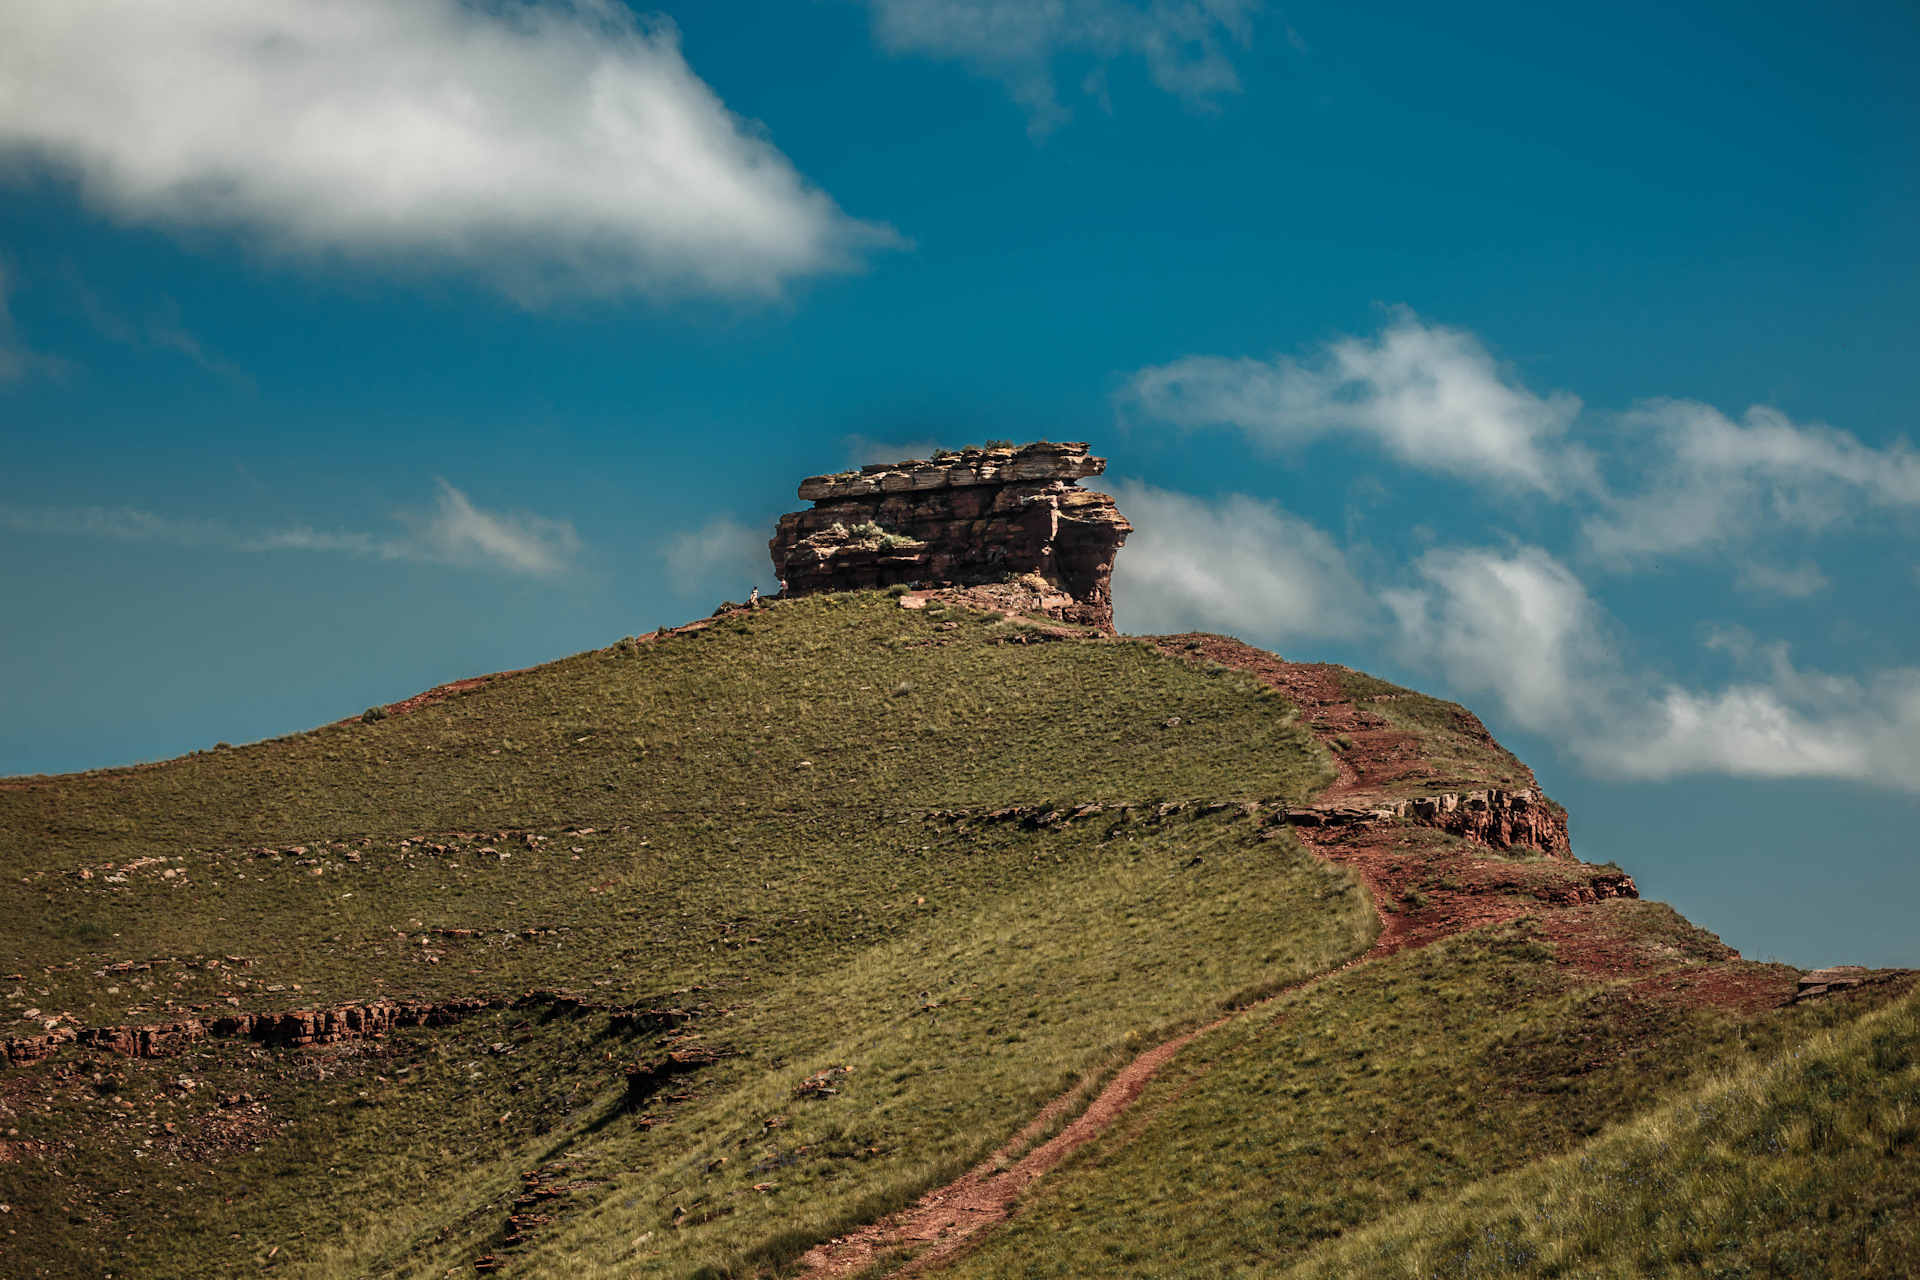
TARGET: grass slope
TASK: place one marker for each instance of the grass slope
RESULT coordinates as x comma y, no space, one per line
955,863
1799,1163
1397,1083
773,848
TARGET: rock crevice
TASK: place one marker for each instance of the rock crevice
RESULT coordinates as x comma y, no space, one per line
975,518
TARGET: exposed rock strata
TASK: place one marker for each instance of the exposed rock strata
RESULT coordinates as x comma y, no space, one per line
974,518
301,1027
1497,819
1840,977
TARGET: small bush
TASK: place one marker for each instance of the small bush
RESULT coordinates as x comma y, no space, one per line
368,716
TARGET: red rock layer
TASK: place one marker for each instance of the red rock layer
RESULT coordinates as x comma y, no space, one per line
317,1026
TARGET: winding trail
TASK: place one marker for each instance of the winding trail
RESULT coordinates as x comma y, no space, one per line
949,1219
945,1221
1474,893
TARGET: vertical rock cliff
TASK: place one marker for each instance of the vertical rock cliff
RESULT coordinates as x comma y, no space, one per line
991,518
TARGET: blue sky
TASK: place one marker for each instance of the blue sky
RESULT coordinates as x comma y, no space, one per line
1556,360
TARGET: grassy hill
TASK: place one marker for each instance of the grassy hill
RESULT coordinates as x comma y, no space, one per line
741,937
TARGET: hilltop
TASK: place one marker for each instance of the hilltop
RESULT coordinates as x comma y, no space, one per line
893,926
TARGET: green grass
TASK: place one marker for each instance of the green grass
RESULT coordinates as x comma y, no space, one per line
766,778
1394,1084
794,827
1800,1163
800,909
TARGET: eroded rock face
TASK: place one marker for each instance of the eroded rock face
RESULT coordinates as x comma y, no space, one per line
1497,819
975,518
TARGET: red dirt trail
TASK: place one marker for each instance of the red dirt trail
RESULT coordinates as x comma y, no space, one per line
948,1220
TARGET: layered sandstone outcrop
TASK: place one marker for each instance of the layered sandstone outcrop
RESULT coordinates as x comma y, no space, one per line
978,517
1497,819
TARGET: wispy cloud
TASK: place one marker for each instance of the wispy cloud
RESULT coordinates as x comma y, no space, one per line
17,359
722,556
1430,396
1797,583
1235,565
1184,43
162,330
1708,483
457,532
452,531
554,147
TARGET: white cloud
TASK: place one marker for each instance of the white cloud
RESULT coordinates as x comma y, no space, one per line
457,532
552,147
1803,580
1183,43
1238,565
722,555
453,531
1713,483
1683,479
1515,626
1431,396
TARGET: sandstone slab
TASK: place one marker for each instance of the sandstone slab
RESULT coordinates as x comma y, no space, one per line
977,518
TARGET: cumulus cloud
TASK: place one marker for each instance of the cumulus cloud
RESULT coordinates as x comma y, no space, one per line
1183,43
1680,478
551,146
1713,483
453,531
1516,627
1431,396
1239,565
722,555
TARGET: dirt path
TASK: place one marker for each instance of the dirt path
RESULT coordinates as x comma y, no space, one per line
947,1219
1395,865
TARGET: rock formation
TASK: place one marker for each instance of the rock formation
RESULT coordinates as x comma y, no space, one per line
1497,819
301,1027
979,517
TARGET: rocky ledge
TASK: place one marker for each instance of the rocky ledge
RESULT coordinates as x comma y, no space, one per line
1497,819
974,518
